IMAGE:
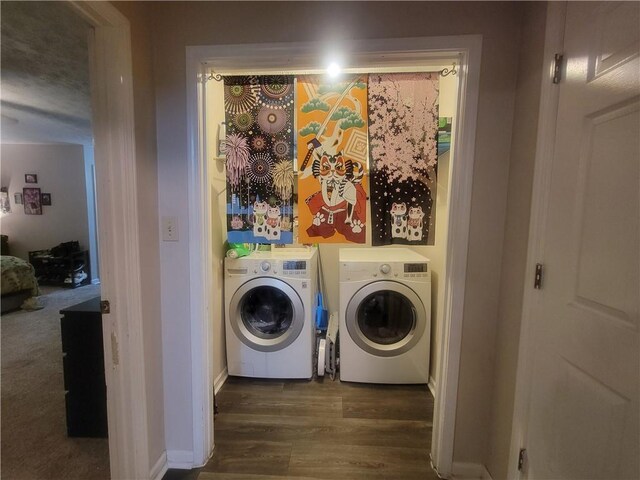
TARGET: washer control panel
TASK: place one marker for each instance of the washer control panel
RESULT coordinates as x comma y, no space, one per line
294,268
412,270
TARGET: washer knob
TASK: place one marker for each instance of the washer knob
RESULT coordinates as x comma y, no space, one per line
265,266
385,268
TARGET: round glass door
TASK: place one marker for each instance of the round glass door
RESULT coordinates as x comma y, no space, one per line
266,314
385,318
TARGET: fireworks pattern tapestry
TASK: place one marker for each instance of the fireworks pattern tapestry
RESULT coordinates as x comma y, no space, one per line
403,129
332,159
259,158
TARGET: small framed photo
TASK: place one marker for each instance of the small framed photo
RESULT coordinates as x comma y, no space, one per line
45,199
17,198
31,199
30,178
5,205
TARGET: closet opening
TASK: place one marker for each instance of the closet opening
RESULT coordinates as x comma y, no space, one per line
453,98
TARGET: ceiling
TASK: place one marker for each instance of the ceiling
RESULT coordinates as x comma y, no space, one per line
44,74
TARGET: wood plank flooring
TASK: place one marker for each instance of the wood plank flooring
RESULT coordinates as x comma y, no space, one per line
322,430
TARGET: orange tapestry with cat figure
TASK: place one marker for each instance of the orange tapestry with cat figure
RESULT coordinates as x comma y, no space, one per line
332,159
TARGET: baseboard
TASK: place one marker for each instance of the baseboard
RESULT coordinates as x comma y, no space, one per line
160,468
220,379
182,459
432,386
470,471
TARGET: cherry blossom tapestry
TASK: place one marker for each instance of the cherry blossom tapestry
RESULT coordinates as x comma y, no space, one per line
403,129
332,159
259,158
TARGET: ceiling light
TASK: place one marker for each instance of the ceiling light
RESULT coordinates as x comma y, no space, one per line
333,70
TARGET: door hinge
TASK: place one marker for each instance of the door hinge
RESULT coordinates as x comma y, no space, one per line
557,68
105,307
522,458
537,281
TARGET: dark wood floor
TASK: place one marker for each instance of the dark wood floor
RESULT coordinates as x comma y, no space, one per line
268,430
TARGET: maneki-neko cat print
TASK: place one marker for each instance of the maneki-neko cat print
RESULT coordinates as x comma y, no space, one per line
332,157
259,158
403,148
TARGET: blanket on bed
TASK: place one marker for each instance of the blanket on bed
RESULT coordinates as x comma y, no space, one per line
17,275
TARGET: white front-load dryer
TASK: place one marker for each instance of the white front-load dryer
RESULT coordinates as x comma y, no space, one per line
385,315
269,314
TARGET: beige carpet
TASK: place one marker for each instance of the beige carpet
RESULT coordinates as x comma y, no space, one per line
34,437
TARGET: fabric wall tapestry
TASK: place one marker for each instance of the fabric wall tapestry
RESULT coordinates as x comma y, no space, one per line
403,129
259,158
332,159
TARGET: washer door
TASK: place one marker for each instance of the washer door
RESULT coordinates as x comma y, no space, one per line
385,318
266,314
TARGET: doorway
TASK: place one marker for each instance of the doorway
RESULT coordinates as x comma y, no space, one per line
201,61
53,387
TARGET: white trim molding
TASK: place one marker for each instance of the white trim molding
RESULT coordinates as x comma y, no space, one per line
121,279
450,343
159,468
470,471
201,276
549,95
220,380
181,459
432,386
300,56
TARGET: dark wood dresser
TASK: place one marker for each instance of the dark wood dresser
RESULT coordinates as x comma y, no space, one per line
83,360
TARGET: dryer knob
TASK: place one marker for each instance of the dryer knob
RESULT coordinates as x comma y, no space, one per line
385,268
265,266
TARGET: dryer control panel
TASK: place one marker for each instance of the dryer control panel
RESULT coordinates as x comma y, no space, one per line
354,271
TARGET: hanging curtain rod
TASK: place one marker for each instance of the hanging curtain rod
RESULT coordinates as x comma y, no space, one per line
444,72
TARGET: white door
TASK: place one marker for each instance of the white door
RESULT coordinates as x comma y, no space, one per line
583,410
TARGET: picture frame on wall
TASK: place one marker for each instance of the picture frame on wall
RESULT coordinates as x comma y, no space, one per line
17,198
5,205
30,178
31,200
45,199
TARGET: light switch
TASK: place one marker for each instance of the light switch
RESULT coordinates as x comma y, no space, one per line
170,229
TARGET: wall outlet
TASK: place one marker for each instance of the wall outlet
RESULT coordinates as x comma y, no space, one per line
169,229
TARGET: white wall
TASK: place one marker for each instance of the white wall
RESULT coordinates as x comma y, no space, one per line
61,172
180,24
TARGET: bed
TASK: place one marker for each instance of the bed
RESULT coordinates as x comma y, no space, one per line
18,282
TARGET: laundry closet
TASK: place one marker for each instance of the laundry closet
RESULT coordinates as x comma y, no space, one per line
269,190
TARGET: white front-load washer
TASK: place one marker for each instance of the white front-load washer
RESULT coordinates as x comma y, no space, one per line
385,315
269,313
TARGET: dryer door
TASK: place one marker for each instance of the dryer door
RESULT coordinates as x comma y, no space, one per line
266,314
386,318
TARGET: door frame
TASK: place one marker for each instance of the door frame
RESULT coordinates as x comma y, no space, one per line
111,79
467,48
547,122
